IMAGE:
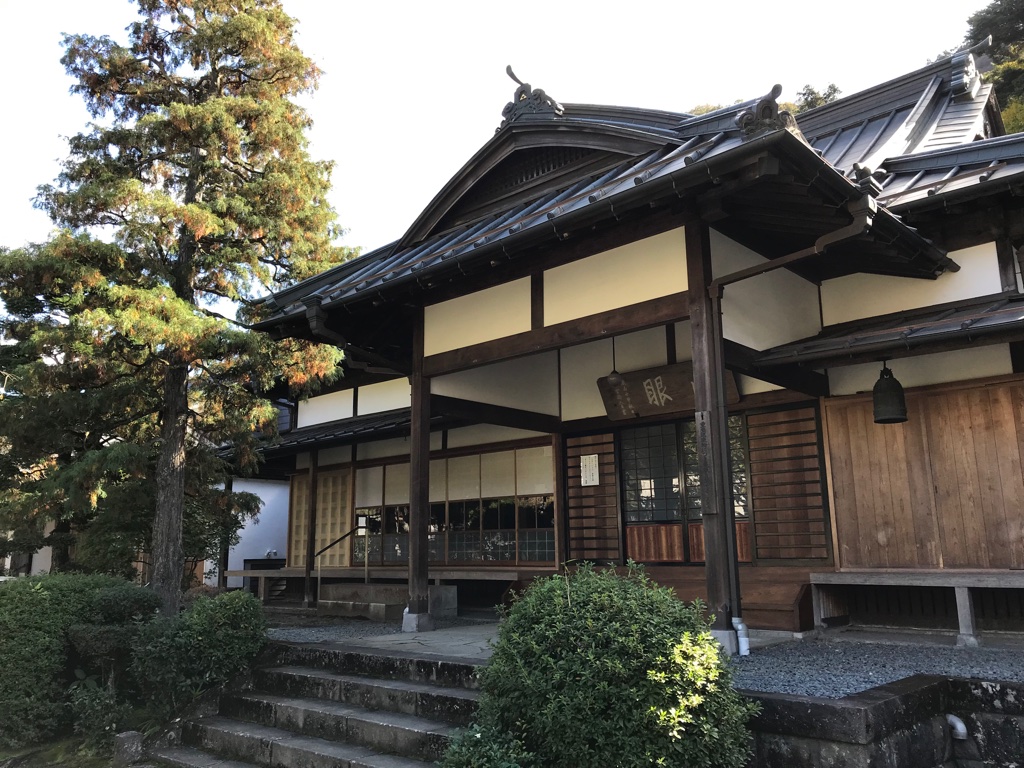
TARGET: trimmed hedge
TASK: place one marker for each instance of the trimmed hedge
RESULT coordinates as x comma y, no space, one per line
593,670
216,638
88,652
35,614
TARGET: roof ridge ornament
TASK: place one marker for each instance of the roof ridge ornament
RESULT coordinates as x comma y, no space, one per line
965,77
762,114
527,101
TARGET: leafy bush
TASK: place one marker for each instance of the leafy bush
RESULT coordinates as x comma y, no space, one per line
176,658
592,669
97,711
35,613
124,603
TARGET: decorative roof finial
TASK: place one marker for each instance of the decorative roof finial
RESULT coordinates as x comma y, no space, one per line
527,101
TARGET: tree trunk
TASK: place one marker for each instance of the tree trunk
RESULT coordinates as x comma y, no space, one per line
168,559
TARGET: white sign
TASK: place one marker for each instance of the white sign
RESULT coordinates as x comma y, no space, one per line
590,474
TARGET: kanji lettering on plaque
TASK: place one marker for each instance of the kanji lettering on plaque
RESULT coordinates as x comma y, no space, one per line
657,393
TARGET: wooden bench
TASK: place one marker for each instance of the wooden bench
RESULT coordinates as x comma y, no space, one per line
829,602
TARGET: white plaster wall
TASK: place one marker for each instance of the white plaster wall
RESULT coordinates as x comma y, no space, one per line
582,366
324,408
643,349
369,487
973,363
492,313
396,484
858,296
385,396
751,386
767,310
529,383
483,434
43,559
398,446
684,341
268,532
339,454
535,470
645,269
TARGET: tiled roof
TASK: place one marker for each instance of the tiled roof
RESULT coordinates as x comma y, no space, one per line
341,432
972,320
928,112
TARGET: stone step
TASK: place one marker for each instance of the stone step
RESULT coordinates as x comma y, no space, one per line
386,732
269,746
190,757
454,706
394,665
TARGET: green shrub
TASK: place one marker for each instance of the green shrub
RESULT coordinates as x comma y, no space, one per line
98,713
35,614
174,659
124,603
592,670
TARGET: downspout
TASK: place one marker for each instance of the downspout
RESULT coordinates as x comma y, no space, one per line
863,211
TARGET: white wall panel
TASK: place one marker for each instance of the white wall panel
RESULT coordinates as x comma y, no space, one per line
482,434
535,471
492,313
684,341
645,269
498,474
385,396
324,408
582,366
974,363
751,386
858,296
767,310
643,349
396,484
464,477
369,486
398,446
529,383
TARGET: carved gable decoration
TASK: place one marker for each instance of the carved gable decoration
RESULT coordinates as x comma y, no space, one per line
527,101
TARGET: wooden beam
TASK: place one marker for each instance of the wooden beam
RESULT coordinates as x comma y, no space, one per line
636,317
494,414
536,301
712,433
740,358
417,617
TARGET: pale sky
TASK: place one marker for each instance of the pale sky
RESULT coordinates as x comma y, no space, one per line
411,90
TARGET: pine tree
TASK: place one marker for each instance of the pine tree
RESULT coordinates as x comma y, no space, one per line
194,185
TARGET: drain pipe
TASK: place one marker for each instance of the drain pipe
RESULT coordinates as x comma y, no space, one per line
742,636
957,728
863,211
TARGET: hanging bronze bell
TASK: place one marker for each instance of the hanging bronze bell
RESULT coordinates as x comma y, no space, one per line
889,401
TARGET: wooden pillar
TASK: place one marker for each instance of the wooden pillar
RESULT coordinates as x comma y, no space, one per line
314,471
712,434
225,549
417,615
561,517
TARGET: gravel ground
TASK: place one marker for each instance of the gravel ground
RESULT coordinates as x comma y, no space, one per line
829,668
836,668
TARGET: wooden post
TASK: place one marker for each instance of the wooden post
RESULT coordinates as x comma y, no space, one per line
225,550
310,596
417,615
712,438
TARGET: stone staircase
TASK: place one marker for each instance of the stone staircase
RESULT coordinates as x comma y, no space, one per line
333,708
